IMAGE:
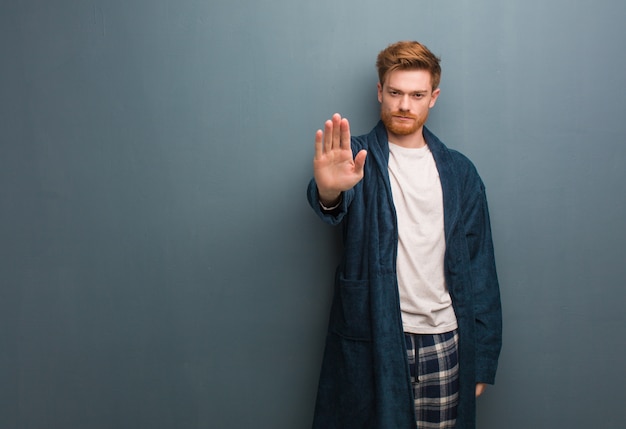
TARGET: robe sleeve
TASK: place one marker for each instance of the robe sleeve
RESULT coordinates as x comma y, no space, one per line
485,286
331,217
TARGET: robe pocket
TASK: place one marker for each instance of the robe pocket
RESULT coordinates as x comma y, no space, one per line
351,310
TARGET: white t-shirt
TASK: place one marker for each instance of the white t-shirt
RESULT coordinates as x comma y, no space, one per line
417,195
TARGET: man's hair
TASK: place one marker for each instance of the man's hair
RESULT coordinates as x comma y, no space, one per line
407,55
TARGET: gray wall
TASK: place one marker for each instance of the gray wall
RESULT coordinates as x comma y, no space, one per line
159,266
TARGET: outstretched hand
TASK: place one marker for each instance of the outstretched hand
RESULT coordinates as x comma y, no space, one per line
334,168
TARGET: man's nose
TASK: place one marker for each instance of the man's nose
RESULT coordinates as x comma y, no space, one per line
404,103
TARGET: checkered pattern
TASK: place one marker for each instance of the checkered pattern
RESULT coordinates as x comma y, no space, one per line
435,378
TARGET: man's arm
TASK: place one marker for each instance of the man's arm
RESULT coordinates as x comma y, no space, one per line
486,290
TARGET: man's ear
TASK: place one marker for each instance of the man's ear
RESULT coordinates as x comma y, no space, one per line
380,92
433,99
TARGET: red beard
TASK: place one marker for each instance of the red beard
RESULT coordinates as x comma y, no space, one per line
399,128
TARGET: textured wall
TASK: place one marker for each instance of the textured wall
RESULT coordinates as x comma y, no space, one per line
159,266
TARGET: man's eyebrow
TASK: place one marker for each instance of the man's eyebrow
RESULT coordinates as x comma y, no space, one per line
417,91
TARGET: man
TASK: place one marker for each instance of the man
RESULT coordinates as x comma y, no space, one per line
415,326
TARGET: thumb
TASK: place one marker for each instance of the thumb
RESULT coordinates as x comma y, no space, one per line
359,161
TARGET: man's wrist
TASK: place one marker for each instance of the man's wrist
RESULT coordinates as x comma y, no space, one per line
329,205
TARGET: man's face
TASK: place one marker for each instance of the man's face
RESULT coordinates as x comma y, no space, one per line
405,100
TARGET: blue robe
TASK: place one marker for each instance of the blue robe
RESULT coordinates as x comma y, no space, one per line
364,381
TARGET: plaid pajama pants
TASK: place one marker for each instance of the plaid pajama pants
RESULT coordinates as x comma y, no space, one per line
435,378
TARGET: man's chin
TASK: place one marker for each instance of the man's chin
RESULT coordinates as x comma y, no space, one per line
403,130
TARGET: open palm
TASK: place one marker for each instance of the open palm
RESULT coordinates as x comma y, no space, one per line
334,167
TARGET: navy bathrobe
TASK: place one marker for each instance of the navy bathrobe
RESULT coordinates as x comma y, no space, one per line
365,381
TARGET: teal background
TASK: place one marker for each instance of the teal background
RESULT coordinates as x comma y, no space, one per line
159,265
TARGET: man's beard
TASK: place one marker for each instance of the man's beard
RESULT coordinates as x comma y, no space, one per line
401,129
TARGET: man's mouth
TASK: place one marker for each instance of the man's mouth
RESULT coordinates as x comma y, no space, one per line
403,115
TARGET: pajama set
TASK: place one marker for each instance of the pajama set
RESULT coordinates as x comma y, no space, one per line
397,354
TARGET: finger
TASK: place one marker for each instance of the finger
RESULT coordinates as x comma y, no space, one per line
319,143
336,131
345,134
359,161
328,136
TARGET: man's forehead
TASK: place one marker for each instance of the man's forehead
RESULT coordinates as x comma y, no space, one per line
409,80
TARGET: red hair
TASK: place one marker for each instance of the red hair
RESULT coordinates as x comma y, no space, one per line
407,55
